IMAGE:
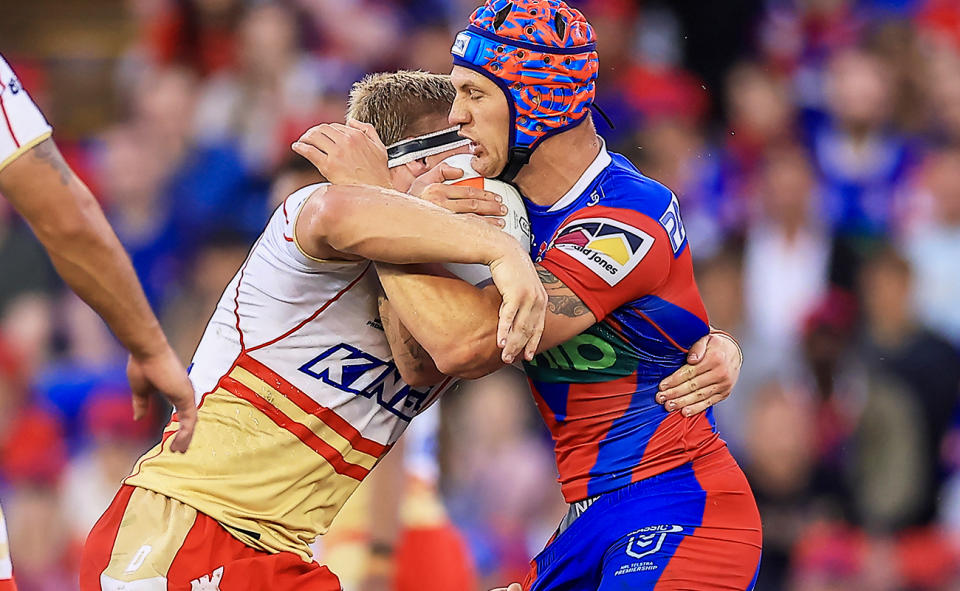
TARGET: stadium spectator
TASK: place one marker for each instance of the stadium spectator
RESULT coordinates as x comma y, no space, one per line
862,160
760,116
933,246
915,402
23,264
270,96
199,34
781,463
785,260
142,216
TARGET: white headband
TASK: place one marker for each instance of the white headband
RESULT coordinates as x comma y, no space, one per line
428,144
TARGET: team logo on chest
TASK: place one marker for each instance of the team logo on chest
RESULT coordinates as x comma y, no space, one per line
609,248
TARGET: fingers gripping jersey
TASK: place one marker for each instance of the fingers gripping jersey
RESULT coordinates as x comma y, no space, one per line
617,241
22,125
298,396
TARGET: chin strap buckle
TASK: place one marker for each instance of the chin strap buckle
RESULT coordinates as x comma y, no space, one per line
519,156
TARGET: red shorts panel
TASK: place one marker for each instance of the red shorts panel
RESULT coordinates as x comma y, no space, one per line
159,543
433,559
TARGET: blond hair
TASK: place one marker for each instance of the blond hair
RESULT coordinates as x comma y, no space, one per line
398,103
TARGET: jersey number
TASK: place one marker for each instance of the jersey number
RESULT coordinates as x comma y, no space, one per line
670,220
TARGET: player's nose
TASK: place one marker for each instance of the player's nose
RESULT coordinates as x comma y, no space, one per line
458,115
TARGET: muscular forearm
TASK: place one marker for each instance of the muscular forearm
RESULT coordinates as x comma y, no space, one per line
453,320
414,362
391,227
70,224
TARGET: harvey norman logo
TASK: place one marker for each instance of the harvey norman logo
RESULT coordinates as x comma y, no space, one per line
460,45
609,248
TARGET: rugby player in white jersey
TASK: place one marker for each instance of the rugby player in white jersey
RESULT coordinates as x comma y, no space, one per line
298,390
298,397
71,226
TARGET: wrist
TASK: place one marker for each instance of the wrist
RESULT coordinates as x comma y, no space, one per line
726,335
502,246
150,344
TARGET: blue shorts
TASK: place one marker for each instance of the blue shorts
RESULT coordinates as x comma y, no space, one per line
693,527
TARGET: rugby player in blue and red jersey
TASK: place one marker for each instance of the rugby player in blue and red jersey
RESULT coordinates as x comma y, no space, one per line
656,499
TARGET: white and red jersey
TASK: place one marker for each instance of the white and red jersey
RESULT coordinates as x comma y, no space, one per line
6,568
22,125
298,396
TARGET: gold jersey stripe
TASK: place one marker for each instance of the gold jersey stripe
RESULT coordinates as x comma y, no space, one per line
250,474
23,149
312,422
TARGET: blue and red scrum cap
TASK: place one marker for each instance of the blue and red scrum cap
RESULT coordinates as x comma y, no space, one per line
542,54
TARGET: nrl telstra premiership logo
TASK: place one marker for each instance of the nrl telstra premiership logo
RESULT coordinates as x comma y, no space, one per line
649,540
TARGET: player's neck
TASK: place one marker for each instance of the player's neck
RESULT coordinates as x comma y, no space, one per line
558,163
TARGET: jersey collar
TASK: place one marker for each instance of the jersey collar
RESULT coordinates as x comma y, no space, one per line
592,172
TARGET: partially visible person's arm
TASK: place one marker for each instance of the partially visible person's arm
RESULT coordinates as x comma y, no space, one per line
70,224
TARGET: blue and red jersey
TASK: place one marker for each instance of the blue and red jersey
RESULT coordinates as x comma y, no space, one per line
617,241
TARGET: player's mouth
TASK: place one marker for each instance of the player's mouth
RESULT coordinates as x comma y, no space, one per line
473,145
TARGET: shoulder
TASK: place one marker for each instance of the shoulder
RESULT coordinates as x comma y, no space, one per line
633,201
625,186
281,229
296,199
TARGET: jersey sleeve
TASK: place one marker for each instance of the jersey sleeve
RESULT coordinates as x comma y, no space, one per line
281,236
22,125
609,256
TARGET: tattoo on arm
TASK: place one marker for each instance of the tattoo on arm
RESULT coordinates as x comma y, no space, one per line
47,152
415,353
560,299
412,350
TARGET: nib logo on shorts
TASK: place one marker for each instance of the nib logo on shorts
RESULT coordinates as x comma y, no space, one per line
209,582
609,248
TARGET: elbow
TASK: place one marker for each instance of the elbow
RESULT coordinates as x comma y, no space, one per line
321,212
470,358
419,379
71,227
331,213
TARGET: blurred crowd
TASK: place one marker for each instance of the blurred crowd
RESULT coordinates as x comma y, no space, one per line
815,149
